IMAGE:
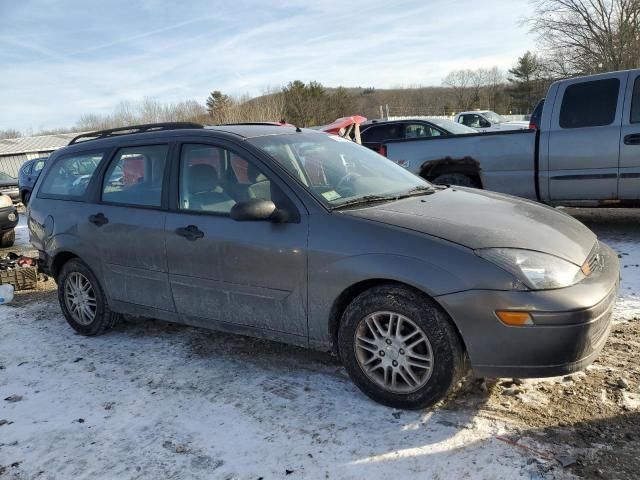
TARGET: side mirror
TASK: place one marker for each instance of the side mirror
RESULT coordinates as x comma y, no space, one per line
256,210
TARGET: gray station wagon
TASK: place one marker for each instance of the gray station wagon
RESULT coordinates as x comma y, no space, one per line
306,238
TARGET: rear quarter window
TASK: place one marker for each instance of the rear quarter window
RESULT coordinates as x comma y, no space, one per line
590,104
69,176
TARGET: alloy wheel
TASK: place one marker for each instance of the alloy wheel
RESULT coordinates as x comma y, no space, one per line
393,352
80,298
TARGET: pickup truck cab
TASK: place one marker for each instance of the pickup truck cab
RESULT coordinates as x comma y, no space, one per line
488,121
586,151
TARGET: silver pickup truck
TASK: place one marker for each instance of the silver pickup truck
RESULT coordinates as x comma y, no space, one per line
585,151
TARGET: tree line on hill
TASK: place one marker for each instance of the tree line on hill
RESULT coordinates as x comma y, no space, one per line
575,37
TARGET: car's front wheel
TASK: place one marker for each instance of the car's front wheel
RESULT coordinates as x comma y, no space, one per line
82,299
400,348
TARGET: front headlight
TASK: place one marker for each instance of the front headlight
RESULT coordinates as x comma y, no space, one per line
5,201
538,271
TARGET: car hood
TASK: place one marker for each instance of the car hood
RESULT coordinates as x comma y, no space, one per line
481,219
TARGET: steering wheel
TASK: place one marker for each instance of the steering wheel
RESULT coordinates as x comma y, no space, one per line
345,181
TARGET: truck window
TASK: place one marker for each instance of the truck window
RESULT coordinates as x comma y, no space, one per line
635,102
590,104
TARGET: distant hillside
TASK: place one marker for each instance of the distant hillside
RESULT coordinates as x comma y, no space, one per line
418,101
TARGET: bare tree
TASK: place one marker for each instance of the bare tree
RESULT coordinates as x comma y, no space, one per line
475,88
588,36
10,133
146,110
463,83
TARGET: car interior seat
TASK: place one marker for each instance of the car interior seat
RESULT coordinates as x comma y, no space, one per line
204,191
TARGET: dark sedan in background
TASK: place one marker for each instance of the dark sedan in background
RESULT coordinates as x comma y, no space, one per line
29,173
376,132
9,187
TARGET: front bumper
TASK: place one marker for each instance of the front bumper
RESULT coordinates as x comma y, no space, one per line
6,216
570,328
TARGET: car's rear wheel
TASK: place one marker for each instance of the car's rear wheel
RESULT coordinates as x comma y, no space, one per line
459,179
25,198
82,299
7,238
400,348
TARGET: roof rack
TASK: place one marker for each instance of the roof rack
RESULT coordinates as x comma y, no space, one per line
150,127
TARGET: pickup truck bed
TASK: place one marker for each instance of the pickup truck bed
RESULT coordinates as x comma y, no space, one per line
500,161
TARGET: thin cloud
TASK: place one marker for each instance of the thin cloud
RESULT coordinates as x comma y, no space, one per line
89,59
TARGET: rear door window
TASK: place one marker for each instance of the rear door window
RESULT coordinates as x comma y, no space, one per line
70,175
135,176
635,102
590,104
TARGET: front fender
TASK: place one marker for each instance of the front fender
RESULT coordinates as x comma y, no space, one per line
328,281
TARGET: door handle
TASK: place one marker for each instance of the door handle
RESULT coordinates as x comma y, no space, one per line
98,219
632,139
190,232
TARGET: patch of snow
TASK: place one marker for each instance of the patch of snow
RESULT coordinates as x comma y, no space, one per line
153,400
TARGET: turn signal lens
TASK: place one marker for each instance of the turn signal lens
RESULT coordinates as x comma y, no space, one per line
514,319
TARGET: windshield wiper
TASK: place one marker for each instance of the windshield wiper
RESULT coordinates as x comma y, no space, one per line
367,199
421,190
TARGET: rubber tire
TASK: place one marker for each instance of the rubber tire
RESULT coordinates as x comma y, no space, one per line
459,179
7,238
104,319
25,198
448,352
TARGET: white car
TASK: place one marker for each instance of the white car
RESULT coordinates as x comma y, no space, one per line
488,121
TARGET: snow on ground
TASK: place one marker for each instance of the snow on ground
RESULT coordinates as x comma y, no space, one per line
155,400
151,400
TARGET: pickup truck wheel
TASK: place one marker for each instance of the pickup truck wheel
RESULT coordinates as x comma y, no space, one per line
459,179
400,348
7,238
83,301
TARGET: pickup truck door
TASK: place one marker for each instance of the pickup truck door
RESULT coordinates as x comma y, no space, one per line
629,186
584,138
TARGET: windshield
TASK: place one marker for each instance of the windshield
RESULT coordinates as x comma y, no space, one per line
493,117
452,127
338,171
4,177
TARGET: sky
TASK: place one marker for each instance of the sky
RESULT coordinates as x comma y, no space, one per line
61,59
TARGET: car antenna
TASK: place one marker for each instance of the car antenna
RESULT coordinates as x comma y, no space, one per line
298,130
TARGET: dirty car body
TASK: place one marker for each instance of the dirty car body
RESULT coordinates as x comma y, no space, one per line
290,234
